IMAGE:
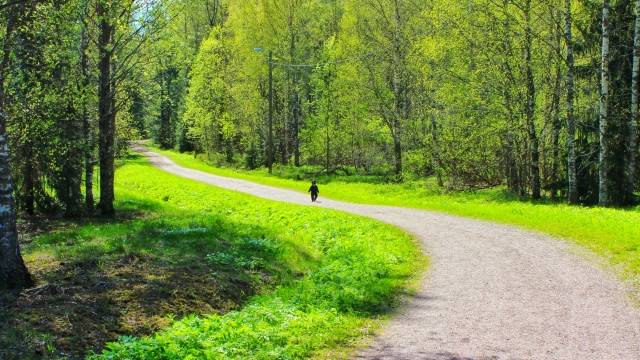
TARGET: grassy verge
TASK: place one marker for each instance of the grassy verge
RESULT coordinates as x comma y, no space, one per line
276,282
612,233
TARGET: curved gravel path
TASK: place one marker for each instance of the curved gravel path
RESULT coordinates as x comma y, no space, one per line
493,291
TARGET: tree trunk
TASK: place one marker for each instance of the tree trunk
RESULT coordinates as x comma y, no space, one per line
328,119
555,132
436,150
328,139
603,199
530,108
29,188
513,181
632,148
397,92
296,130
106,113
86,123
572,176
71,187
13,272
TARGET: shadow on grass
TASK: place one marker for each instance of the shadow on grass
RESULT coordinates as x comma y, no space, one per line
100,279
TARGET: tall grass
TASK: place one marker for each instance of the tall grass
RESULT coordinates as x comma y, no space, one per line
344,271
612,233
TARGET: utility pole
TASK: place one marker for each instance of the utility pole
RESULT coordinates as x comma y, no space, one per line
270,136
270,139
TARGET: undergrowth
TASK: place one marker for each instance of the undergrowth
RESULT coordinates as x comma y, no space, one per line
612,233
336,273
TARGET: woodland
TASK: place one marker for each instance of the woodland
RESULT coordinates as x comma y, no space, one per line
429,104
537,96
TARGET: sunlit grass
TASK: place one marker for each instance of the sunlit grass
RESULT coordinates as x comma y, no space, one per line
337,272
612,233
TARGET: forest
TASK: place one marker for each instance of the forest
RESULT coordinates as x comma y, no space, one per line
538,96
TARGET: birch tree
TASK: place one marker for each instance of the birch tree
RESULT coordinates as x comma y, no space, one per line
13,272
531,104
604,97
632,147
571,126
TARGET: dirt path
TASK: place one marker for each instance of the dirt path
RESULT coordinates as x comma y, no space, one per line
493,291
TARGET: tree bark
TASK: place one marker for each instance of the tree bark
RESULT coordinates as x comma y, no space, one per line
555,132
571,127
29,188
513,181
632,147
397,92
603,199
512,164
106,113
436,150
13,272
296,130
86,123
328,121
530,108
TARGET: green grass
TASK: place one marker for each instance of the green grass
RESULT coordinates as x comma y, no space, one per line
611,233
337,273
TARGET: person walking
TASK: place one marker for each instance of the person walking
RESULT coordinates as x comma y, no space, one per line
314,190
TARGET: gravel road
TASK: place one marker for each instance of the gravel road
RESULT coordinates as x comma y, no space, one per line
493,291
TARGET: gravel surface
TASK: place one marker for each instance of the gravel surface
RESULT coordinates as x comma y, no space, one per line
493,291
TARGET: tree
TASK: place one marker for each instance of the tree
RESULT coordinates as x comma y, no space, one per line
13,272
208,101
123,27
632,147
531,103
603,199
388,26
571,126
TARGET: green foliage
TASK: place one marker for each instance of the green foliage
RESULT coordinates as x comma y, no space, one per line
44,107
252,159
386,93
207,117
352,268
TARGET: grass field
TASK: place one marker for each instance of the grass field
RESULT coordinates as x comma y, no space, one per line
611,233
266,281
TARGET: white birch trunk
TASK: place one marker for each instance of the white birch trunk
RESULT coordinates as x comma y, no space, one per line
632,147
604,95
530,107
13,272
571,126
397,92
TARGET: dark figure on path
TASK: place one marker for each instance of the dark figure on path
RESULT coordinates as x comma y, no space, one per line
314,190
